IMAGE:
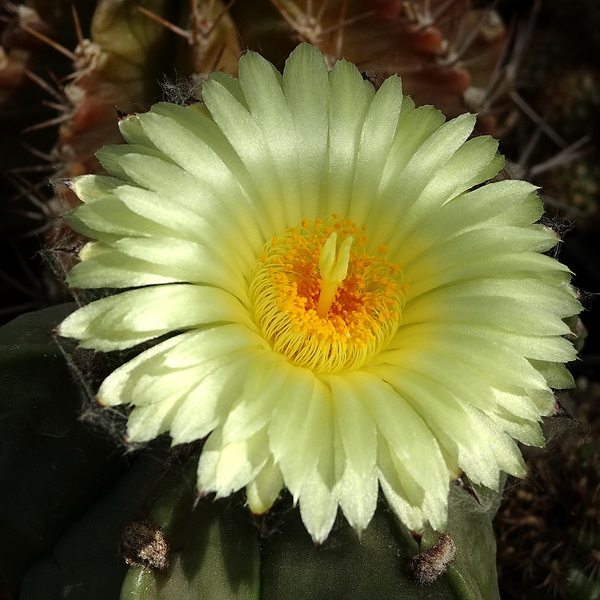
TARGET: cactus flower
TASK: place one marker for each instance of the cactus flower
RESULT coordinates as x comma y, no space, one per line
341,305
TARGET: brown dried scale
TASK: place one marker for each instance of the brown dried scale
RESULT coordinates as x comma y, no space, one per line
143,543
429,565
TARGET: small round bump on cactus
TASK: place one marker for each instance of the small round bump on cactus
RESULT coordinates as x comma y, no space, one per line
339,302
143,543
429,565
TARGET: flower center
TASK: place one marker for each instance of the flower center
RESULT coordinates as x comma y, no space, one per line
323,302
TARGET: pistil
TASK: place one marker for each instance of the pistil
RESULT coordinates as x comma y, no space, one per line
333,271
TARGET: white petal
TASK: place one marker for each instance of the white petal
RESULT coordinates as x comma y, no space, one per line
262,87
557,376
207,405
218,170
355,424
306,87
133,133
453,424
127,319
466,256
470,302
112,388
537,347
265,488
358,497
502,203
467,384
408,436
265,384
483,356
110,158
147,422
416,126
419,171
473,163
179,354
522,430
108,219
348,103
91,187
214,214
297,429
355,428
188,262
247,138
226,468
318,507
402,493
376,139
102,266
506,451
184,223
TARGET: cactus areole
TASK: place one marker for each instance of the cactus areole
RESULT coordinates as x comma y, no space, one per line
344,304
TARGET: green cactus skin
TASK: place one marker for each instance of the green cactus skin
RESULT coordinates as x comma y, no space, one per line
218,553
52,468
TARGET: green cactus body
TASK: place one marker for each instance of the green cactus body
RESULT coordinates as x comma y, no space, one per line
217,553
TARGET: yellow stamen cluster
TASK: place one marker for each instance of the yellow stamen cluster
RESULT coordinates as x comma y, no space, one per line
321,300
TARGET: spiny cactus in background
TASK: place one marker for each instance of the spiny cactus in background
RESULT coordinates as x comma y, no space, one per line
445,51
130,45
89,58
573,111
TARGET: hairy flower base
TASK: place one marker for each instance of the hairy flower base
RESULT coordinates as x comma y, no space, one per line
296,344
362,306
